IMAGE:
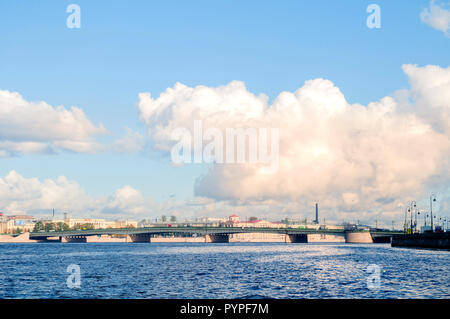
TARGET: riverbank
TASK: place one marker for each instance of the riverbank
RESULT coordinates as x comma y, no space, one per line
427,240
21,238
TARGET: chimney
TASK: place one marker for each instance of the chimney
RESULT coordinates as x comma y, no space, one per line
317,213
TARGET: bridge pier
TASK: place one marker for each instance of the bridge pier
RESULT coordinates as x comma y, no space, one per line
358,237
217,238
140,238
72,239
296,238
382,239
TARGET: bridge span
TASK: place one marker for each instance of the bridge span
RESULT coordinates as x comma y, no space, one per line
211,234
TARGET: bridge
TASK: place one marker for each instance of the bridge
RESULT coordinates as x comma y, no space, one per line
213,234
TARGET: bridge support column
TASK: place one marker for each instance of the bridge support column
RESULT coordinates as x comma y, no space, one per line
381,239
140,238
72,239
296,238
358,238
217,238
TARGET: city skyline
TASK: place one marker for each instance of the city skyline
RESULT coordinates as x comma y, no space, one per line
86,114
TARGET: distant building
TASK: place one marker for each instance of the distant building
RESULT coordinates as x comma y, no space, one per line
6,226
98,223
233,221
10,224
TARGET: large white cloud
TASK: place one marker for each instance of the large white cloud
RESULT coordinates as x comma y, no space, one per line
22,195
18,194
436,17
127,200
36,127
353,157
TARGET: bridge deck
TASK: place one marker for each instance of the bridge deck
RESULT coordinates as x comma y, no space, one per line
194,230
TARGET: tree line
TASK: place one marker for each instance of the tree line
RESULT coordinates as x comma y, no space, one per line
60,226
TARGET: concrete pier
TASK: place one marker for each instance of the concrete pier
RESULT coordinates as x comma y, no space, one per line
140,238
358,237
296,238
217,238
73,239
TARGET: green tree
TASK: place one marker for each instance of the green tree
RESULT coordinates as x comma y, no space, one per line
253,218
62,226
38,226
173,219
163,218
50,226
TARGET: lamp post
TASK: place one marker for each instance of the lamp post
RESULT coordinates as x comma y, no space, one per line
407,223
405,228
412,206
418,213
415,221
432,199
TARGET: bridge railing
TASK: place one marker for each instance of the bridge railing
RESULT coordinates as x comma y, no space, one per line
192,230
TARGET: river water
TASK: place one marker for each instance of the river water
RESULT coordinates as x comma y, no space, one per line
234,270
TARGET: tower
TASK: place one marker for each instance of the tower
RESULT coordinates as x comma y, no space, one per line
317,214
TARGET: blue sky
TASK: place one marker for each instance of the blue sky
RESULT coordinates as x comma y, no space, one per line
124,48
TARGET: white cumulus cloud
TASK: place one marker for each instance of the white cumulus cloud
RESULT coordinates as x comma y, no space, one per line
21,195
349,156
36,127
436,17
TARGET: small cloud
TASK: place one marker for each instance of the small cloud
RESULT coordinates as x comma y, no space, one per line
132,142
436,17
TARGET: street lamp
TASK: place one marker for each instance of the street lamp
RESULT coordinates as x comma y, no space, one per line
432,199
408,211
418,213
405,227
412,206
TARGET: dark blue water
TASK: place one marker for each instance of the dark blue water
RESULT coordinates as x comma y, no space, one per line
237,270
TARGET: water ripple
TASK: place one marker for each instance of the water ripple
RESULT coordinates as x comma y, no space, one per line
237,270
